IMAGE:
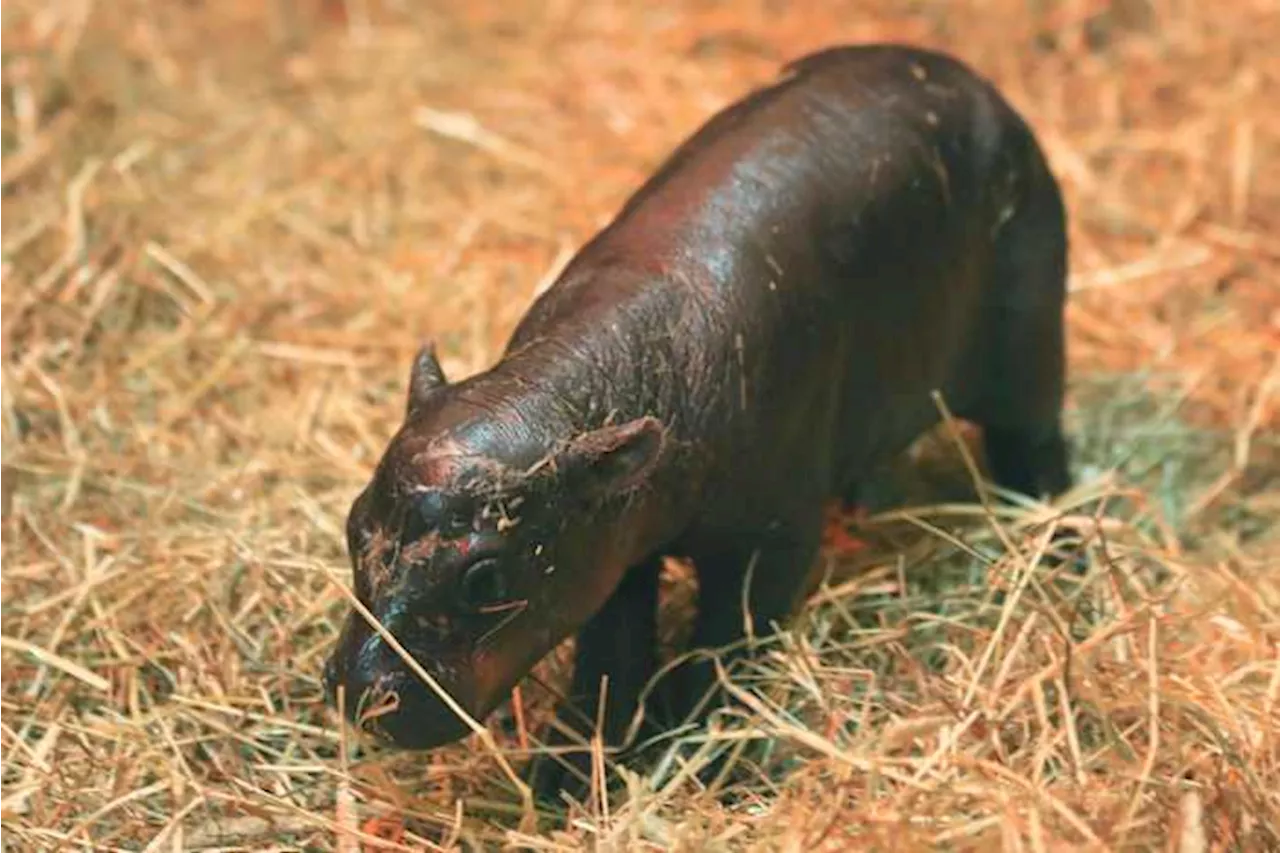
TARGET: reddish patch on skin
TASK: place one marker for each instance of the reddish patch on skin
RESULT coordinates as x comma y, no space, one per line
435,461
420,549
442,461
388,829
373,563
835,534
423,548
416,552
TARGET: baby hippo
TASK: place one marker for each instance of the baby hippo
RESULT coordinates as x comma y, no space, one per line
762,325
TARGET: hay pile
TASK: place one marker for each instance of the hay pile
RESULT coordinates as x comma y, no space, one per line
228,225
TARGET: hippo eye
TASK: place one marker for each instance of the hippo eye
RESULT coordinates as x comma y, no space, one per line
484,584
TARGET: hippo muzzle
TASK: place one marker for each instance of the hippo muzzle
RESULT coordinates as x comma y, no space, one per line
385,697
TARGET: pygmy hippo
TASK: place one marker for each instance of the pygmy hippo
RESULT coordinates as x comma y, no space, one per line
762,324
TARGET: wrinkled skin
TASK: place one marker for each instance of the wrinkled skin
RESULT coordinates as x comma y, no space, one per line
761,325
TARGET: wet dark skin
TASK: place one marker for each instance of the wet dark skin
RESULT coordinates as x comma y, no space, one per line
762,324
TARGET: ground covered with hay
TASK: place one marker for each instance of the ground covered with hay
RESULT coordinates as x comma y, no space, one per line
227,227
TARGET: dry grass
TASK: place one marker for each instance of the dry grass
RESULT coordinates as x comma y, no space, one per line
228,225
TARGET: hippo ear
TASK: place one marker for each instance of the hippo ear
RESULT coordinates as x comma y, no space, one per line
425,378
613,459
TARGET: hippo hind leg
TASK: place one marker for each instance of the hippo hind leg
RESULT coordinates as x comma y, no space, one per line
1022,376
1029,461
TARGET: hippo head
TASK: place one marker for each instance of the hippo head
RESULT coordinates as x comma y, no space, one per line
479,544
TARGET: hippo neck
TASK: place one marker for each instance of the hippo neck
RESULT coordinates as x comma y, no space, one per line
578,378
601,340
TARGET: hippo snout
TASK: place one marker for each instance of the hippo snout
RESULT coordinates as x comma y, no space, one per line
385,697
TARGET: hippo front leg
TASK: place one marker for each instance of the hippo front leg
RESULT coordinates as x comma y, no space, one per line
769,576
617,652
